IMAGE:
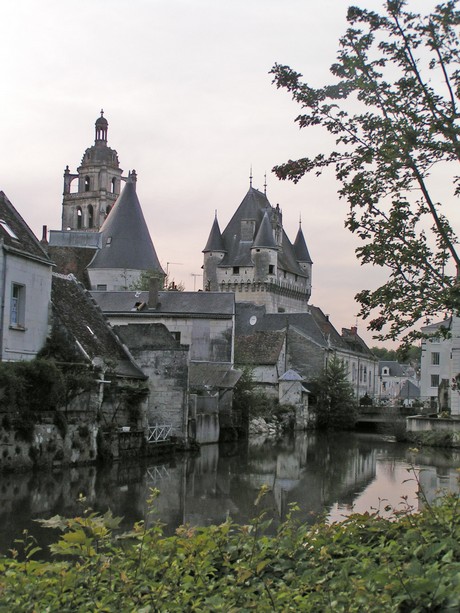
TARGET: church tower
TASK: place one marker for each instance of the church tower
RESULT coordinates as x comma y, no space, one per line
90,194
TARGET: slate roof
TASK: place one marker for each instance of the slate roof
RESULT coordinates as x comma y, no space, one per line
356,343
16,235
126,241
238,252
300,248
181,303
260,348
208,374
215,242
84,321
395,368
409,390
291,375
264,236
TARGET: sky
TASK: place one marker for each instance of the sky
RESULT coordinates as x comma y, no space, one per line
186,89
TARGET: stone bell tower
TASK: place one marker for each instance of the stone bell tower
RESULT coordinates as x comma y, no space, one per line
90,194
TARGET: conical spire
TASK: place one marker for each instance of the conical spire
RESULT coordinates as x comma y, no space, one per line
300,247
264,236
126,241
215,242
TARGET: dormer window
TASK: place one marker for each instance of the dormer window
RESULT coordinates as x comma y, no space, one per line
236,270
385,371
108,242
7,229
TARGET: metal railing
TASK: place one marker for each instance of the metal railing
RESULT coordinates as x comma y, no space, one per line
159,433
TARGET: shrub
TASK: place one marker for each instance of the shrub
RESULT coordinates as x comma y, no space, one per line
367,563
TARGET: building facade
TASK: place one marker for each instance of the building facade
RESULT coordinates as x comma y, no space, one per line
25,287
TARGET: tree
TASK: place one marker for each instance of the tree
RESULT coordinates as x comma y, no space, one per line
335,405
167,284
393,112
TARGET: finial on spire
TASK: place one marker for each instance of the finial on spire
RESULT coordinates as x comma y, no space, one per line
265,184
102,112
215,213
250,177
300,220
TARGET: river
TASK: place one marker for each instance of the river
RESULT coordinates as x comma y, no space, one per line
325,474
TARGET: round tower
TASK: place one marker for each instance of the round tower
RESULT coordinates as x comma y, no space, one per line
97,184
214,253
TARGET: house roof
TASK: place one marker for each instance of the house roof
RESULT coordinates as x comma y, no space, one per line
126,241
396,369
291,375
409,390
260,348
183,303
86,324
355,342
16,235
212,375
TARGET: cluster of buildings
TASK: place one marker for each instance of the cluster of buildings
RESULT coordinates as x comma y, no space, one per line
83,283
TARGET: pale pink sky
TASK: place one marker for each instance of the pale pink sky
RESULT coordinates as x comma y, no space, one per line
190,104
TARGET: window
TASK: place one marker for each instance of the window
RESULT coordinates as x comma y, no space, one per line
79,218
236,270
108,242
271,269
87,184
434,380
7,229
176,336
17,309
90,216
101,287
108,208
435,358
114,184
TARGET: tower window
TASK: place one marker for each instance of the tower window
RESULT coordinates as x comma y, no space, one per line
108,208
87,184
114,184
236,270
90,216
271,269
79,218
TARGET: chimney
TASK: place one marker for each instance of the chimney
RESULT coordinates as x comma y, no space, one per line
44,240
154,288
354,330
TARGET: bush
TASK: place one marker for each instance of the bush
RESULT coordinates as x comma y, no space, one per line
367,563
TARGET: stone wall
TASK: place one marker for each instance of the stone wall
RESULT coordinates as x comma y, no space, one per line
47,445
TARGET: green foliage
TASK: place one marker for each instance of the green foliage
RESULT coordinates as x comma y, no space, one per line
367,563
31,386
392,110
333,396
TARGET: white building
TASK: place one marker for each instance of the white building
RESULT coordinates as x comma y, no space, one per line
438,366
25,287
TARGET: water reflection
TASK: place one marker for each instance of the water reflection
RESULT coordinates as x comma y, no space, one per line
325,474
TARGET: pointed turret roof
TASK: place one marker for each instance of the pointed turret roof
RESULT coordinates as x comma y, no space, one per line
264,236
215,242
126,241
300,248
